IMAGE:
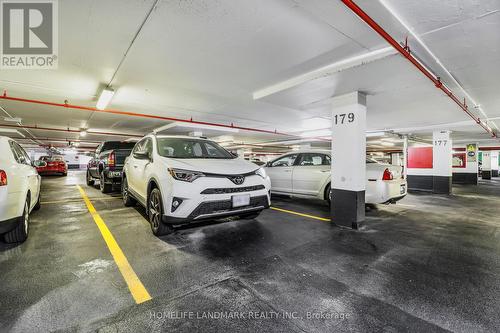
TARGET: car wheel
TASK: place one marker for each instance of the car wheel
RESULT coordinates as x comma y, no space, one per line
65,174
155,213
90,180
20,233
128,201
105,188
38,203
328,194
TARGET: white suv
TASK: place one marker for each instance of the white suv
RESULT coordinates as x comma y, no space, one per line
182,179
19,190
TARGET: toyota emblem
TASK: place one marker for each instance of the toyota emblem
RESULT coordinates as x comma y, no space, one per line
238,180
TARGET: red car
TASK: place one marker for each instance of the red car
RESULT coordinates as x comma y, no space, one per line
53,165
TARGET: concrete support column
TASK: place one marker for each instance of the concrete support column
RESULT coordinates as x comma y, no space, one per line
405,157
396,158
348,160
486,173
494,163
442,155
469,174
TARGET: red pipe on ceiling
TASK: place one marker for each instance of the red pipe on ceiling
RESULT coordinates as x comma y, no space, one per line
70,130
134,114
407,54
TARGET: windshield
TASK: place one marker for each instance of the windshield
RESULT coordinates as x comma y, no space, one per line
191,148
114,145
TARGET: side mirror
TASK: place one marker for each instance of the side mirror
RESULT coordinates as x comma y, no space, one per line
267,165
39,164
142,155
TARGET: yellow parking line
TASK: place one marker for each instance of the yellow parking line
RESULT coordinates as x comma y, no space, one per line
137,289
70,201
301,214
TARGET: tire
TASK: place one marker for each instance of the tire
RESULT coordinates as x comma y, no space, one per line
90,180
65,174
155,213
328,194
105,188
38,205
128,201
20,233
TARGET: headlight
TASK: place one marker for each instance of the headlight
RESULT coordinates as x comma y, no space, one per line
185,175
261,172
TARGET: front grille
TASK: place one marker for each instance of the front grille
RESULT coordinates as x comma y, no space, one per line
226,206
233,189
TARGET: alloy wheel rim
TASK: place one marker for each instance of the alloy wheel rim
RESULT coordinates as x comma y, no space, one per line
154,211
124,190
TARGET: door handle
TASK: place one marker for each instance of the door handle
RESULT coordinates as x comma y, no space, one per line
325,170
288,170
136,166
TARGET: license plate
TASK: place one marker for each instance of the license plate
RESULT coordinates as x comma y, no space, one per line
403,189
241,200
115,174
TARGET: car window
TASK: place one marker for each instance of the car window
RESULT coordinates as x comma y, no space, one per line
114,145
139,146
148,146
313,159
191,148
27,158
20,155
327,160
284,161
14,152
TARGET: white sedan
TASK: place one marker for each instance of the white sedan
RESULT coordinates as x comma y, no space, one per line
19,191
307,174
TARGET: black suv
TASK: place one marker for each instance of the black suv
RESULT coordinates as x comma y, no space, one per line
107,164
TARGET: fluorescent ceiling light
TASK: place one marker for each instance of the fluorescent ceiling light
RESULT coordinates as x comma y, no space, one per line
83,133
105,98
10,130
387,144
13,120
195,126
374,134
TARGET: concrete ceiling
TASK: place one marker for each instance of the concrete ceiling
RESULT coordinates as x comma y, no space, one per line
204,60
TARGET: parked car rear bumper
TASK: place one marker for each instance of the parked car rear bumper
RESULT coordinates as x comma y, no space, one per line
8,225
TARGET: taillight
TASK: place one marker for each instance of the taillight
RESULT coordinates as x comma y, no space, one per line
387,175
111,159
3,178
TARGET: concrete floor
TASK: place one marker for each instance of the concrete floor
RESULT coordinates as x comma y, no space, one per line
430,263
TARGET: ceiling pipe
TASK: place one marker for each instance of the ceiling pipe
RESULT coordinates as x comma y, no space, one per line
142,115
61,140
70,130
405,52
